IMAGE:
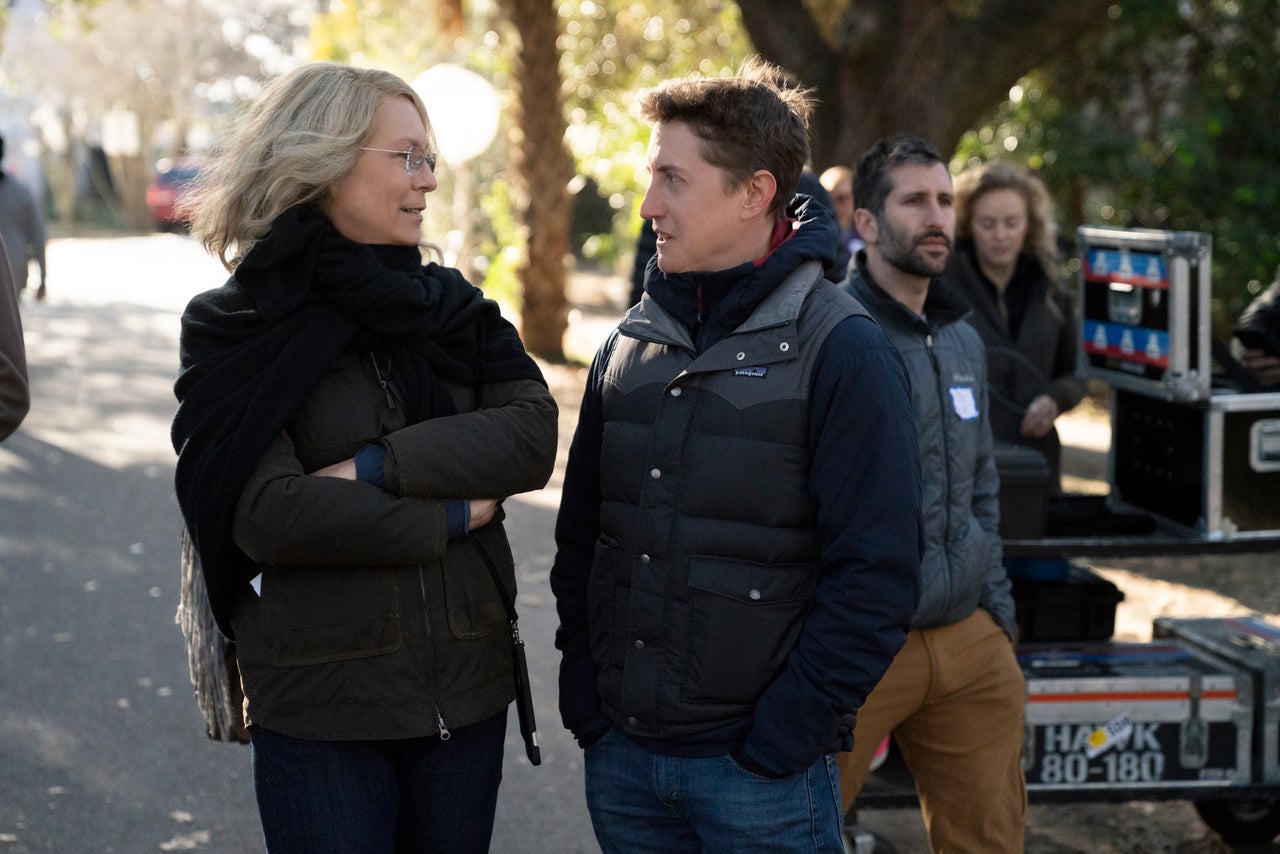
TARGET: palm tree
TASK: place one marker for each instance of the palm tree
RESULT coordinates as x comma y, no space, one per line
544,168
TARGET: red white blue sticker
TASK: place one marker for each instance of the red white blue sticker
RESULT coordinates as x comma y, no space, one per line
1145,269
1131,343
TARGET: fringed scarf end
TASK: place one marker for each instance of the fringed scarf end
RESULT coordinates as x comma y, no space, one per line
211,658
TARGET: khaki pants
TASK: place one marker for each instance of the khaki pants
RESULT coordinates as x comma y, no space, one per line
954,700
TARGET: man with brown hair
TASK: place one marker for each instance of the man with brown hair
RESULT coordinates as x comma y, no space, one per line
954,697
739,533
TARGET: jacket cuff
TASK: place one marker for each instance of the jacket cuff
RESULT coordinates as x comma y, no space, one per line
369,461
457,515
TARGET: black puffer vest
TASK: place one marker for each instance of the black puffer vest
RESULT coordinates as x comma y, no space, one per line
708,560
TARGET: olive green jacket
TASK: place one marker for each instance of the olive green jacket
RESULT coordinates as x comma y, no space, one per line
368,621
15,394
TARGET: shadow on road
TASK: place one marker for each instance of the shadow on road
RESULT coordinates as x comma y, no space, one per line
101,743
100,738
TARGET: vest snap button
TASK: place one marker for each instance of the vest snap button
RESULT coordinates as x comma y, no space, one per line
741,356
655,473
639,644
644,559
632,721
675,392
754,594
784,346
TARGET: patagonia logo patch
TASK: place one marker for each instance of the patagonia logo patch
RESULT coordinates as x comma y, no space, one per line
750,372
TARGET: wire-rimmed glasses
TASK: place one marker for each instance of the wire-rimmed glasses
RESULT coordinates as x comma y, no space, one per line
412,163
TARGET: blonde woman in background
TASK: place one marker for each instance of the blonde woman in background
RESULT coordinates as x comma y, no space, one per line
1006,268
838,181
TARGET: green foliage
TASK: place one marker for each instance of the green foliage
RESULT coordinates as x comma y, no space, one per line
405,38
613,50
1166,120
502,247
400,37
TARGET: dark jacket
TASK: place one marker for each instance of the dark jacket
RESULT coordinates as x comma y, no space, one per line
21,229
738,534
371,623
15,394
253,351
1039,359
368,621
1258,326
963,568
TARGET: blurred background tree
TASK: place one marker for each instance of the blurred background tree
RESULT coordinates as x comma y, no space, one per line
1156,113
1165,119
569,182
132,81
544,170
613,50
935,68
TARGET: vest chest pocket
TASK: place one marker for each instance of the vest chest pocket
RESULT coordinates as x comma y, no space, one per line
744,620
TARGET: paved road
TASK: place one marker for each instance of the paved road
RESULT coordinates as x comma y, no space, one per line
101,745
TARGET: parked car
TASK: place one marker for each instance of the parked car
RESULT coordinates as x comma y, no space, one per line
174,176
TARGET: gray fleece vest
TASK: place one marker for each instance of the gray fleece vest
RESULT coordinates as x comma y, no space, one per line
708,559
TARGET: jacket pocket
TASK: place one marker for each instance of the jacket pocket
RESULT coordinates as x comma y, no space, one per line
318,615
602,598
472,602
970,559
744,620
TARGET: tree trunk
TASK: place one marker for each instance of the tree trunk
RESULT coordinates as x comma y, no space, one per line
929,67
544,168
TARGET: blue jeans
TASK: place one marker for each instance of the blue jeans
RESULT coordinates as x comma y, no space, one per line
378,797
646,802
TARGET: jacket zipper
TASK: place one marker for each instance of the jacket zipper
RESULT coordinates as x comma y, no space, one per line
384,380
431,662
946,454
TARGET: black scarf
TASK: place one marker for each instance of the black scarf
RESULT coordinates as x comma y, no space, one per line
253,350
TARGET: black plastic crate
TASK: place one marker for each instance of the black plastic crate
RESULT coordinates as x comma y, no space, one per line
1080,607
1024,491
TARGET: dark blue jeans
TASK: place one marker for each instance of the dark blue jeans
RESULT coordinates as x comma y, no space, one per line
378,797
647,803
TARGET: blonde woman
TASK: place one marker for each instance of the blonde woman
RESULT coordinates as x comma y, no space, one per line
1006,268
349,421
838,182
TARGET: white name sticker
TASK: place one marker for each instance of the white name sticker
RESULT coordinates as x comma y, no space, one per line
963,401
